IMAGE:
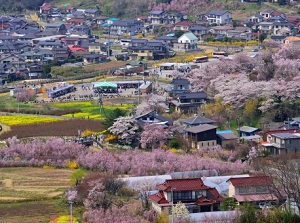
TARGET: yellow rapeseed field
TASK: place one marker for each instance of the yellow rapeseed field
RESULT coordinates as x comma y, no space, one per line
12,120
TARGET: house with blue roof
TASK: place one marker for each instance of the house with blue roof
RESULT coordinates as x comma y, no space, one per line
218,17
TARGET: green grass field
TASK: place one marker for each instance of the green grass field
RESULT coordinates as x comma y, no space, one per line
88,109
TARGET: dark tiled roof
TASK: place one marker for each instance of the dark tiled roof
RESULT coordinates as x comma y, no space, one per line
156,115
201,128
197,120
216,12
166,38
198,28
180,81
200,94
227,136
156,12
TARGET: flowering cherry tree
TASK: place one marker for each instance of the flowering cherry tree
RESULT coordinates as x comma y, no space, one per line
153,135
128,213
71,195
23,94
150,103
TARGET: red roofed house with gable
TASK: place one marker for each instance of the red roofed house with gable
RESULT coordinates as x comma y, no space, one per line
254,189
45,8
196,196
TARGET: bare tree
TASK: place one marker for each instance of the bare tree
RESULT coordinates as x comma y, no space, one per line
284,170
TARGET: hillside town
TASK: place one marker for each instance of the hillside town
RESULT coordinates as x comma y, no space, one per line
163,117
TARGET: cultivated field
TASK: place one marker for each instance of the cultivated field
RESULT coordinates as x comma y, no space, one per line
32,194
62,128
17,184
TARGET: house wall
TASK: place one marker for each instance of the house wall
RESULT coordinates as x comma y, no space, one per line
231,190
96,49
181,87
184,39
156,207
207,135
224,143
202,144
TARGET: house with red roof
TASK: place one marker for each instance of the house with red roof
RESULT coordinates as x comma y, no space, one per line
196,196
254,189
183,25
45,9
75,48
76,21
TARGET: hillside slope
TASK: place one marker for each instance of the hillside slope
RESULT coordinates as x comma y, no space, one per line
132,8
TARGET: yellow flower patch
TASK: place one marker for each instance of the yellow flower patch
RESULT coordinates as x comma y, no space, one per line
12,120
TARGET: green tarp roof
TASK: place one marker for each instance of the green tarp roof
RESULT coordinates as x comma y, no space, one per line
105,85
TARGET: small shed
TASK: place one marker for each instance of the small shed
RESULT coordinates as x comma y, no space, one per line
167,66
145,87
226,137
247,131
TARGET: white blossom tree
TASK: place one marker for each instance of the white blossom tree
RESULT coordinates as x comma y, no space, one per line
125,128
180,213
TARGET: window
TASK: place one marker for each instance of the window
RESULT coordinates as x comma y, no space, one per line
261,189
182,195
244,190
198,194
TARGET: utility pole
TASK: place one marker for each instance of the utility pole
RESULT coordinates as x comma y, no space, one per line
172,198
71,211
18,101
108,47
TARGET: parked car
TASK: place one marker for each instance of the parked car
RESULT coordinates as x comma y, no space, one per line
264,204
255,50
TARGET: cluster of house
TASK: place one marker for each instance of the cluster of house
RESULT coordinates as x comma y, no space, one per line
201,193
276,24
202,132
26,44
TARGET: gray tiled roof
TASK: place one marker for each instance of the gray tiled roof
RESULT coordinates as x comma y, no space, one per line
180,81
247,129
197,120
201,128
286,135
217,12
200,94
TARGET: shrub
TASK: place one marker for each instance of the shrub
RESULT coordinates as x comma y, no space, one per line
77,176
64,219
72,165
